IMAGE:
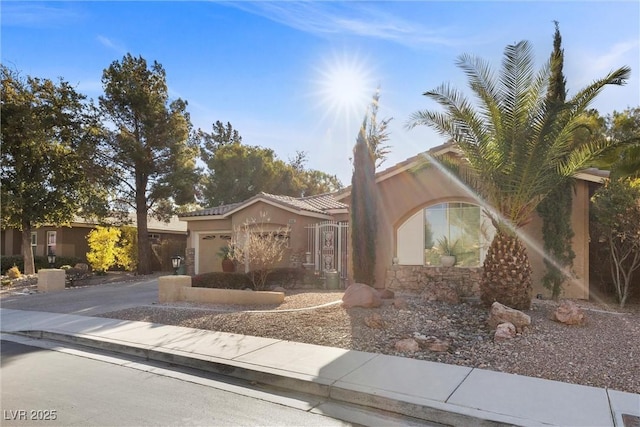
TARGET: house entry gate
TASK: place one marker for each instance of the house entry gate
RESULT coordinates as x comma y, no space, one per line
327,247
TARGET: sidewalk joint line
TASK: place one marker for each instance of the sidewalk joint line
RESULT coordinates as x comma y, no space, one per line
458,386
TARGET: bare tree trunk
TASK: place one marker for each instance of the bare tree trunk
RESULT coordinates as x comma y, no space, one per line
144,248
27,253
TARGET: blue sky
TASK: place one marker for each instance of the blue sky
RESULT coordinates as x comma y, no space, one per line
299,75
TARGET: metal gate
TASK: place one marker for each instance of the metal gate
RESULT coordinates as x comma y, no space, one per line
327,245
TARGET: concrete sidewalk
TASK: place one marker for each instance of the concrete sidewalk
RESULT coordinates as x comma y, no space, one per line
431,391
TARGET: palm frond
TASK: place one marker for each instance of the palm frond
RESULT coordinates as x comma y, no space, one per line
581,100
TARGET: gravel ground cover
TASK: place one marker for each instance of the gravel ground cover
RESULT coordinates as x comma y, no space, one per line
603,352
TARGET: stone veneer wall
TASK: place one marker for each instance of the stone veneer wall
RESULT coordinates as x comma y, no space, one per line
447,284
190,261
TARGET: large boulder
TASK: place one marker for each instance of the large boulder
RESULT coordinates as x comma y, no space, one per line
501,314
568,313
361,295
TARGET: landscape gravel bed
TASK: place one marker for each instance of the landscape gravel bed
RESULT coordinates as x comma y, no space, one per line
603,352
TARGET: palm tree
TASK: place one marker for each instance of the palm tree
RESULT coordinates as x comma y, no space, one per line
517,147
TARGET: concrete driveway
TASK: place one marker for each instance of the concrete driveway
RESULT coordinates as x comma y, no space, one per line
89,300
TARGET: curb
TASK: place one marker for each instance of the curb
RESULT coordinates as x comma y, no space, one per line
423,409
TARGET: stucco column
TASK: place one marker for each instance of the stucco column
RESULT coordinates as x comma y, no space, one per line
169,287
51,279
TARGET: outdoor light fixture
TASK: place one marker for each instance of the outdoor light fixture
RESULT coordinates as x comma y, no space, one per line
52,259
175,263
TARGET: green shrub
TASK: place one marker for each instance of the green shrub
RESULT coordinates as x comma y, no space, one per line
220,280
73,274
285,277
9,261
39,261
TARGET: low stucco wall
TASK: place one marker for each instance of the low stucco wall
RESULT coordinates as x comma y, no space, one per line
178,288
169,287
51,279
448,284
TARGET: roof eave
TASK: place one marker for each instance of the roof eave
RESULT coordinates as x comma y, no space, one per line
201,217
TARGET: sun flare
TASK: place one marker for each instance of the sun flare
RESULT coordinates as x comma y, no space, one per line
344,88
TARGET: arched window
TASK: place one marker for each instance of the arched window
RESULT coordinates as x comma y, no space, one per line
464,224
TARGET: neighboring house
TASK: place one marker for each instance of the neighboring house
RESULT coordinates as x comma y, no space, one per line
71,240
418,203
316,225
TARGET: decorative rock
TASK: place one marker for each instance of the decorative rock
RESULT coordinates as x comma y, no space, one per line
504,331
400,303
437,345
361,295
431,343
448,295
501,313
375,321
408,345
386,294
569,313
82,267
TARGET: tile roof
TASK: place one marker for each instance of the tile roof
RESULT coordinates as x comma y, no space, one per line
215,211
321,204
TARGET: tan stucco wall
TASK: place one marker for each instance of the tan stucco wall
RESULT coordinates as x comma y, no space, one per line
578,286
404,194
278,217
399,198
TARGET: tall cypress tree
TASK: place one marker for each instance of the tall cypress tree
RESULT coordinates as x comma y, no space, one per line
555,209
363,209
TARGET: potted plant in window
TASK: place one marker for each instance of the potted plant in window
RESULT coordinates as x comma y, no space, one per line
225,253
448,251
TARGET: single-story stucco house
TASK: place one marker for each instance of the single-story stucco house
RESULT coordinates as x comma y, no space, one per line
418,203
71,240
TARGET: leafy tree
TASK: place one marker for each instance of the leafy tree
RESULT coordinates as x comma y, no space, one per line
555,209
48,172
149,150
312,182
236,172
517,148
220,135
103,252
363,209
624,128
616,212
259,245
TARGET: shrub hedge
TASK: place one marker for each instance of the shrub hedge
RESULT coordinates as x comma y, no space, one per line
6,262
285,277
220,280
